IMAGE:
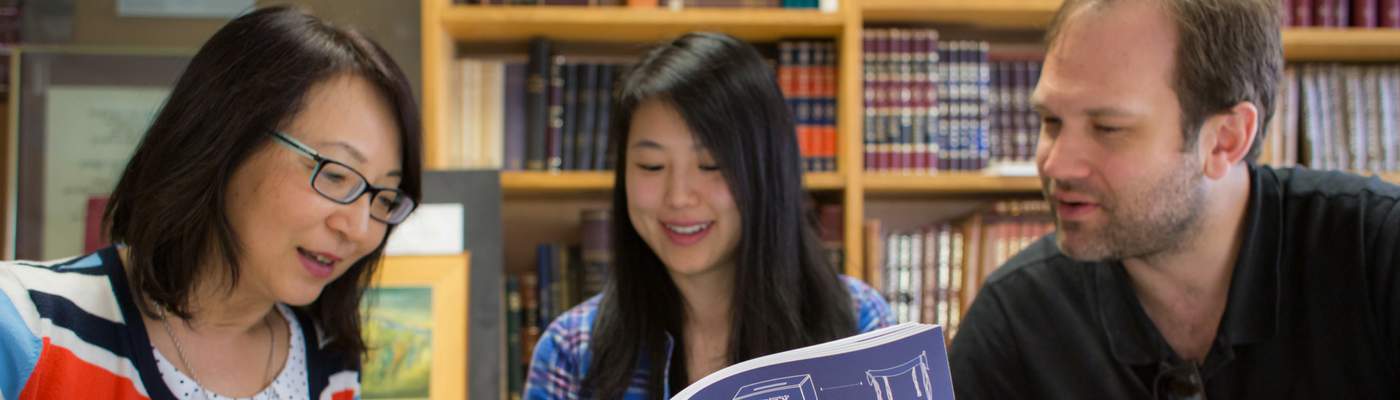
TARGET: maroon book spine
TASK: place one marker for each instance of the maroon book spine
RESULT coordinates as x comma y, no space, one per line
1363,13
1390,13
1303,13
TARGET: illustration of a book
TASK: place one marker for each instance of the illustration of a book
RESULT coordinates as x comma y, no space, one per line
798,387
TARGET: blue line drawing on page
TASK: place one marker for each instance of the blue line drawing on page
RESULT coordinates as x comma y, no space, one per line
796,387
907,381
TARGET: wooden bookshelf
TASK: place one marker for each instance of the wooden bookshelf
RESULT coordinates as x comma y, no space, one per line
601,182
1320,44
986,13
949,184
446,26
630,25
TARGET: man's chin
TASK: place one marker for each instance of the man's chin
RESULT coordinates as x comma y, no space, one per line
1082,249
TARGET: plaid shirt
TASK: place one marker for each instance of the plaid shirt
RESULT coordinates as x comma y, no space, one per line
562,354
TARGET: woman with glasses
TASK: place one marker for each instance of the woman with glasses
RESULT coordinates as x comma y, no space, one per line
713,263
249,222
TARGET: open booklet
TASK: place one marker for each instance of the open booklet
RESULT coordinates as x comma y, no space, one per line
906,361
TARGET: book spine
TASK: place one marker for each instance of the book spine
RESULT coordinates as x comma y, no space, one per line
918,105
1322,13
544,267
1390,126
596,241
829,138
874,255
514,109
868,90
1363,13
934,96
537,112
1286,18
601,145
515,365
1342,13
570,133
1376,145
493,112
529,304
587,117
1303,13
984,94
929,306
1390,13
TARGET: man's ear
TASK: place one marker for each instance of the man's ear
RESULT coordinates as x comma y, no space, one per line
1227,137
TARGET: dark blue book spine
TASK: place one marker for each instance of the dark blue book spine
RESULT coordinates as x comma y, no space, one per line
587,116
537,115
554,157
601,145
544,267
567,154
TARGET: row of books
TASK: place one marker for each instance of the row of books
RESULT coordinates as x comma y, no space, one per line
1342,13
553,112
565,275
672,4
931,274
937,106
1348,117
807,76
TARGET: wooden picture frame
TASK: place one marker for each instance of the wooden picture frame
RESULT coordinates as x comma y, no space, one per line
77,114
394,331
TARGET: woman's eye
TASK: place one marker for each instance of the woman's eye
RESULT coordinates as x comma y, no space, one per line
649,167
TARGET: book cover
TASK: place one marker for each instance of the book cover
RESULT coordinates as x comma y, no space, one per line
906,361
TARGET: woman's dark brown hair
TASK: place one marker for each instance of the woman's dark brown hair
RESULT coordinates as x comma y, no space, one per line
251,77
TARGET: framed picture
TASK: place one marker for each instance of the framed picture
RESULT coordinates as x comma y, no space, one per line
78,116
415,323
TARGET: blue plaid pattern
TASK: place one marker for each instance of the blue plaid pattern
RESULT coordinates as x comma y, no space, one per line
562,355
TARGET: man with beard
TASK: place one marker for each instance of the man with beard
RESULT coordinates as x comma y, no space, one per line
1180,269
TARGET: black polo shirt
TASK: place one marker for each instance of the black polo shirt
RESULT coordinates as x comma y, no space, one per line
1313,309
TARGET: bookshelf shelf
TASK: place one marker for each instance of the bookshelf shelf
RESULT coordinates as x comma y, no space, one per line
989,13
949,184
525,182
1313,44
601,182
620,24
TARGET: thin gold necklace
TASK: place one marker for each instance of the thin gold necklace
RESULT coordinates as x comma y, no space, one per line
180,352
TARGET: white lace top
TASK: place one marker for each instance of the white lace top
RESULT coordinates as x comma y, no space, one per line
290,384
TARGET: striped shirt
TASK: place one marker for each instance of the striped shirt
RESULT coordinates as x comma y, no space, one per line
70,330
562,355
